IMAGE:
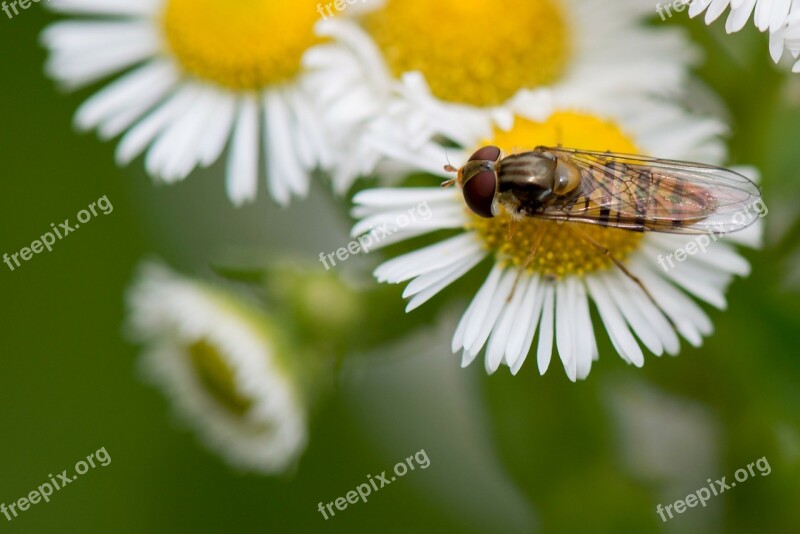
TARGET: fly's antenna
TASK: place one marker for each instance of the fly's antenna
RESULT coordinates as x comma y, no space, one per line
448,168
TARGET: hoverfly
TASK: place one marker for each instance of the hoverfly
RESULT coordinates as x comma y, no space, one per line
629,192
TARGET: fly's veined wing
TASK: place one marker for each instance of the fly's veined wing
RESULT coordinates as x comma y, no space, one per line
650,194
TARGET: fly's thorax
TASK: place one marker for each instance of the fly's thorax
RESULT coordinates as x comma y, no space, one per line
526,180
528,171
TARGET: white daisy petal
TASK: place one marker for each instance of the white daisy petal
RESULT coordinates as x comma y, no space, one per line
136,140
618,331
114,47
565,336
287,176
241,176
431,258
477,305
499,339
106,7
218,129
544,351
435,282
117,95
623,298
524,323
689,319
485,318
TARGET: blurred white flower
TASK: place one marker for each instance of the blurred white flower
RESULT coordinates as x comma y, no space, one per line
198,75
553,295
787,38
767,14
223,367
780,17
408,71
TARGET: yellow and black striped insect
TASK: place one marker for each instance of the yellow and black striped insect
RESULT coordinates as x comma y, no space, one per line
616,190
624,191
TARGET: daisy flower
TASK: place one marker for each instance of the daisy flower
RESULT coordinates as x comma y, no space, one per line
551,302
197,76
780,17
767,14
456,68
787,38
223,367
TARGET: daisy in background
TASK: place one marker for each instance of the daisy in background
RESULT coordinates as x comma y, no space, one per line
551,303
458,68
197,76
225,369
767,14
780,17
787,38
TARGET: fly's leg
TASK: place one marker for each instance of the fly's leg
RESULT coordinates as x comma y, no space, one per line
510,232
625,271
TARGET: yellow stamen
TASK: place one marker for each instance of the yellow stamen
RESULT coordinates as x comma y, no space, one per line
248,44
477,52
217,377
564,249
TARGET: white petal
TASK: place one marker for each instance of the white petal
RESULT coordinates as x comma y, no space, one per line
544,351
428,259
538,291
137,139
481,324
479,302
618,331
565,337
437,281
499,338
241,173
120,93
218,129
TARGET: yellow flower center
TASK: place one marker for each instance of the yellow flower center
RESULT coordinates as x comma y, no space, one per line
478,52
248,44
217,377
564,248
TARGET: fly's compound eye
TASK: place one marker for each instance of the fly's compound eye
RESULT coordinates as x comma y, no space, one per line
487,153
479,193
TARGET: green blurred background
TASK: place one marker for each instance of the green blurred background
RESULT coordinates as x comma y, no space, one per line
508,454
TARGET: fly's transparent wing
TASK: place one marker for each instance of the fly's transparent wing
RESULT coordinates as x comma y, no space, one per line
650,194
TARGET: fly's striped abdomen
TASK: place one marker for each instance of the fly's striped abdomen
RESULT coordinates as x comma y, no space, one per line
640,199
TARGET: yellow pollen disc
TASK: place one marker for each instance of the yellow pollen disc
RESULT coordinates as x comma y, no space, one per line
248,44
564,249
477,52
217,377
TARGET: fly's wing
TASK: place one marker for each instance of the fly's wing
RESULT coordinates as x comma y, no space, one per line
649,194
